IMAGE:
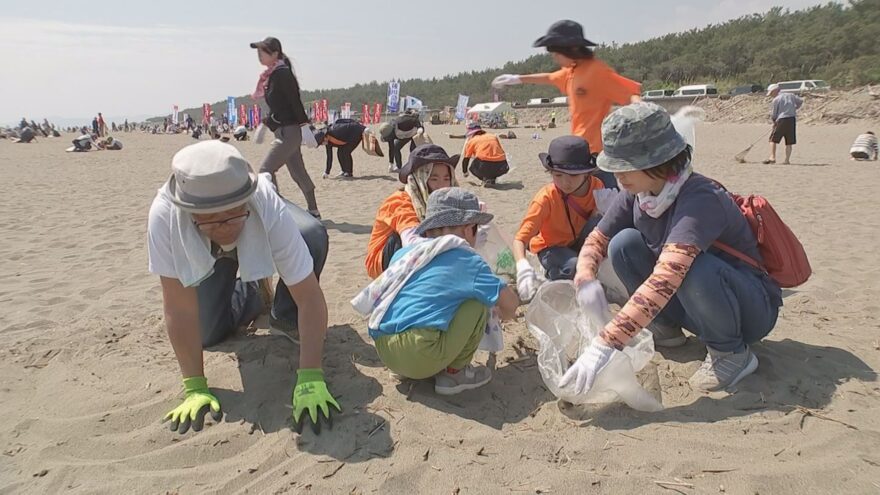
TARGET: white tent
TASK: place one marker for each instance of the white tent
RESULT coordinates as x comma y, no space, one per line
482,110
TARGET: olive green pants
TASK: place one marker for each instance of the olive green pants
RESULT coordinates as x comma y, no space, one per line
423,352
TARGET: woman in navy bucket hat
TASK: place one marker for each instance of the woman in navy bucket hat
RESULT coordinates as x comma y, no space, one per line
590,85
659,234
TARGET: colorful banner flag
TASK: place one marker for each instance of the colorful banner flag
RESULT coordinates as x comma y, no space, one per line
346,110
174,114
325,113
365,117
377,114
461,107
242,115
393,102
230,109
206,113
258,115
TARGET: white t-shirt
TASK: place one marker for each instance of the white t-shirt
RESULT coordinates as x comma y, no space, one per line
290,254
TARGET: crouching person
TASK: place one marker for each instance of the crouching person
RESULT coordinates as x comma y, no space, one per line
215,218
429,309
660,234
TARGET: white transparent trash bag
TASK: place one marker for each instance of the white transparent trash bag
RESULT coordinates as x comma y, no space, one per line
563,334
497,253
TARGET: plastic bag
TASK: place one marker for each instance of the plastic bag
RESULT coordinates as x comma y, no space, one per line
685,122
493,337
308,136
496,251
563,333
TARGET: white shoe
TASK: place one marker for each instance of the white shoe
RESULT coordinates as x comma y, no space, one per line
325,176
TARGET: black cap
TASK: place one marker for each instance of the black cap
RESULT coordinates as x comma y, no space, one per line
423,155
268,45
564,33
569,155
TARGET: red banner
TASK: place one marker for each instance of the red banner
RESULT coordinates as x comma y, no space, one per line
325,114
258,115
378,114
365,118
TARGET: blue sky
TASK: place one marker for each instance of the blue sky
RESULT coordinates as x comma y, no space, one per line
73,59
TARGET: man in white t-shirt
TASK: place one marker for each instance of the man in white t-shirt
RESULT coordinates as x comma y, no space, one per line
214,218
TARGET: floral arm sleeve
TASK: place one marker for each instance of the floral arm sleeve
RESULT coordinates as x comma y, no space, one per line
652,296
594,250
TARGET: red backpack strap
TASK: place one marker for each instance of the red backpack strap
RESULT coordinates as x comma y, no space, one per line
739,255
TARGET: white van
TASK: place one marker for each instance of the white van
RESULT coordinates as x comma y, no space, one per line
696,90
538,101
803,86
656,94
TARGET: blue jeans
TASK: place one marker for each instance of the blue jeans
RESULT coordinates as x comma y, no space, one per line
225,302
560,262
727,306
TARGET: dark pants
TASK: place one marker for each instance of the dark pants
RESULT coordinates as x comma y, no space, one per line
392,244
225,302
727,306
395,146
560,262
346,162
484,170
784,128
81,145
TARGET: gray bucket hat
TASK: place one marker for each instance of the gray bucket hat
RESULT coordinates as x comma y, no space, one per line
638,136
210,177
451,207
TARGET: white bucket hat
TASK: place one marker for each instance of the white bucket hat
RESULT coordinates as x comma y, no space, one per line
773,87
210,177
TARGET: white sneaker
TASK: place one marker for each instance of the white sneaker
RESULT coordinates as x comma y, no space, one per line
468,378
325,176
723,369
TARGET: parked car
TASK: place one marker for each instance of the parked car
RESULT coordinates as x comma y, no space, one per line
539,101
747,89
803,86
657,93
696,90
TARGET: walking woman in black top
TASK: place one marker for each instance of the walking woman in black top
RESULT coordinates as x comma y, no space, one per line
286,115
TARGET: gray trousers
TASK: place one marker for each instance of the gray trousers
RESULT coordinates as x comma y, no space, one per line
285,150
225,302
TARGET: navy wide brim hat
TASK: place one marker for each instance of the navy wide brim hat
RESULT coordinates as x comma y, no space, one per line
563,33
569,155
423,155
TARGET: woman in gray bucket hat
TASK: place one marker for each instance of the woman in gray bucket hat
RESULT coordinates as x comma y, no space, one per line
214,218
438,294
660,233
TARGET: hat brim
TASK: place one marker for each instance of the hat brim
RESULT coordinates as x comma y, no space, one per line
556,40
214,206
454,218
416,162
545,161
475,132
258,44
612,164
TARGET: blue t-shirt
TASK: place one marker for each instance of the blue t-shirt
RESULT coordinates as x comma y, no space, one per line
432,295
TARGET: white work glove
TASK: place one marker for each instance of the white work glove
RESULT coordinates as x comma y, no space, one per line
584,371
591,299
506,80
526,280
260,135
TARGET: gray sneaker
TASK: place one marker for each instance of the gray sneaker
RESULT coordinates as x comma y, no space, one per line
667,336
723,369
284,328
467,378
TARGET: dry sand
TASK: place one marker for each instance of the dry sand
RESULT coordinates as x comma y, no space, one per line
87,371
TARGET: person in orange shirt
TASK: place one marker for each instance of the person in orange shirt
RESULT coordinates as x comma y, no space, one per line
428,169
490,162
560,216
591,86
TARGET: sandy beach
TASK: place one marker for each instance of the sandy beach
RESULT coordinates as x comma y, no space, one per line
87,370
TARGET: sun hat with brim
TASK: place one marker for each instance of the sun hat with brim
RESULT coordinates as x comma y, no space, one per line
424,155
474,129
568,155
210,177
451,207
638,136
773,87
563,33
268,45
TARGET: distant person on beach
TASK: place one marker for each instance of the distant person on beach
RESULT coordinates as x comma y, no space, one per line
240,133
661,233
428,169
590,85
783,113
112,144
403,129
102,126
86,142
429,310
26,135
345,135
489,159
560,215
280,88
865,147
215,218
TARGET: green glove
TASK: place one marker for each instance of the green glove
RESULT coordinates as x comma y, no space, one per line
311,393
195,405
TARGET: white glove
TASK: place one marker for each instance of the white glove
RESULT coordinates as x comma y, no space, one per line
506,80
588,366
526,280
482,236
260,135
591,299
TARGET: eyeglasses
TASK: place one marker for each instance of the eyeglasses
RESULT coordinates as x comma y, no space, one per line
229,222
